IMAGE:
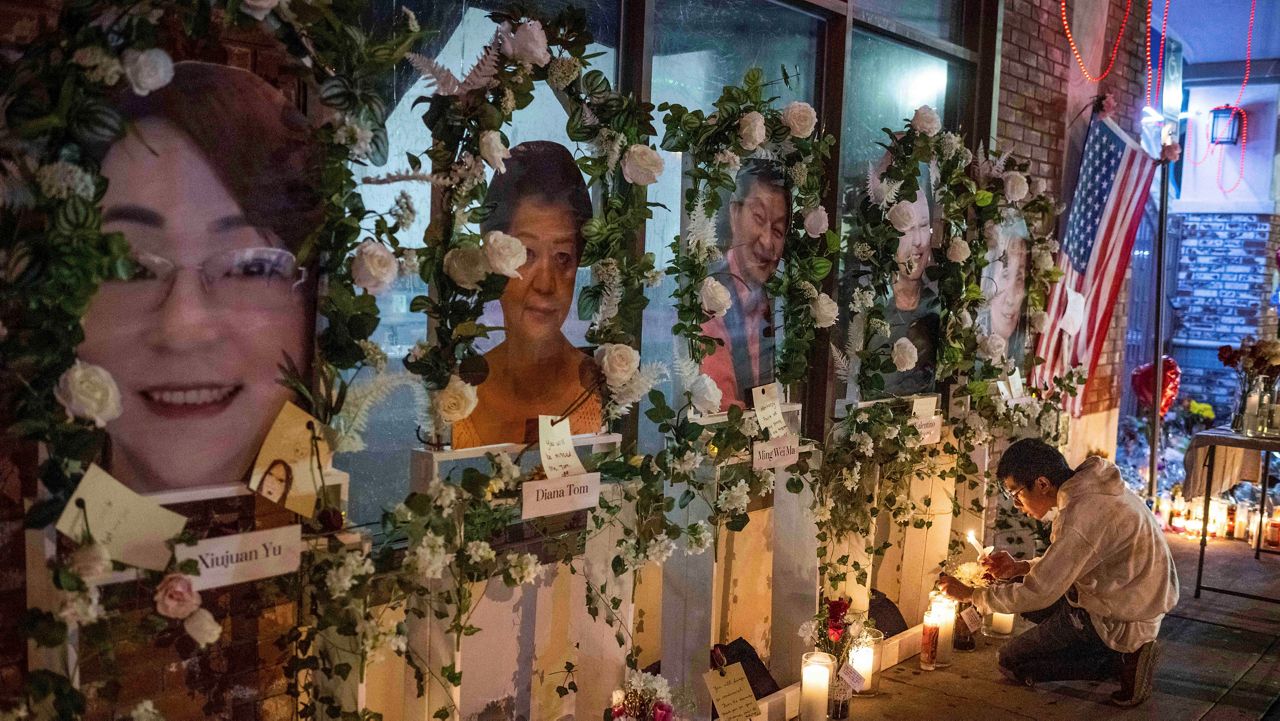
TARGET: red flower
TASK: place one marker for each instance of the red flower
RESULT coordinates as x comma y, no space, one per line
663,711
836,610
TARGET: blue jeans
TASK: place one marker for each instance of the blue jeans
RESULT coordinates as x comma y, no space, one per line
1062,647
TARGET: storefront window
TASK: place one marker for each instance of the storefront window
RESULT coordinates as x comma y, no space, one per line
940,18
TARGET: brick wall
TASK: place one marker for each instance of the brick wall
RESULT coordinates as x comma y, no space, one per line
1033,115
1224,270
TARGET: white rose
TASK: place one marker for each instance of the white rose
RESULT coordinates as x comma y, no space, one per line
926,121
619,363
1038,321
455,401
504,254
1039,186
800,118
88,391
494,151
824,311
148,70
902,216
958,251
466,265
1015,186
480,552
729,160
705,394
815,221
993,347
202,627
374,267
258,9
641,165
715,297
145,711
528,44
904,355
90,561
751,130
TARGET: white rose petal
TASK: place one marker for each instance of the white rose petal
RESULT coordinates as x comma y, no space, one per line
824,311
455,401
88,391
467,266
91,561
374,267
1038,321
494,151
993,347
729,160
751,130
1015,186
902,216
800,118
926,121
705,394
258,9
641,165
715,297
618,362
904,355
958,250
815,221
504,254
148,70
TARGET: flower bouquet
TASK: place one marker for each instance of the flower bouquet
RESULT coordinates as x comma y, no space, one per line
1259,364
833,631
644,697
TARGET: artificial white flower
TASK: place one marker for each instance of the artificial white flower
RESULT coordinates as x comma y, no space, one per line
480,552
1015,186
686,463
145,711
63,179
404,213
494,151
100,65
562,71
467,265
660,549
798,174
905,355
88,391
1041,259
619,363
992,347
862,251
926,121
767,481
824,311
729,160
508,471
633,390
734,500
698,537
258,9
949,144
374,356
964,318
861,300
652,279
374,267
705,395
1038,321
966,157
342,576
902,216
528,44
442,494
1039,187
751,130
641,165
878,327
81,608
815,221
429,558
147,70
90,561
808,631
505,254
455,401
715,297
524,568
202,627
800,118
356,136
958,250
402,514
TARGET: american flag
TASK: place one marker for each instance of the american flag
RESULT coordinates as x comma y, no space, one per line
1115,182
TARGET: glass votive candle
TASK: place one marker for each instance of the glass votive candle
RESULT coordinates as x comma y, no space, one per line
930,636
998,625
946,629
864,658
816,669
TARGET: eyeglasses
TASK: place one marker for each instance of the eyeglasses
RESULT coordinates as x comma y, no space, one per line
1015,495
241,278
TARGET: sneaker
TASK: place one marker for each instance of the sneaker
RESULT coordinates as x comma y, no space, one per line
1137,675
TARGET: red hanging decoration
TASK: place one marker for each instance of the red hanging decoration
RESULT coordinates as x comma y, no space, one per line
1159,74
1143,379
1115,48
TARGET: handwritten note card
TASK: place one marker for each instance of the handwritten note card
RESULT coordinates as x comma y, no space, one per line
924,406
132,527
559,459
559,495
768,407
972,619
228,560
731,693
851,677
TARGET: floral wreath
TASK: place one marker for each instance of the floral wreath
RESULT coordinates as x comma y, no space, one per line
466,117
55,108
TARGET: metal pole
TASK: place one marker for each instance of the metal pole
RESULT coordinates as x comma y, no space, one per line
1153,486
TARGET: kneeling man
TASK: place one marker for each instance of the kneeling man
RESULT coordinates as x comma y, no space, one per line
1105,582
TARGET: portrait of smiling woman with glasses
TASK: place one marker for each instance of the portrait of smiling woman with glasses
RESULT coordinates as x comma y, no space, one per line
209,187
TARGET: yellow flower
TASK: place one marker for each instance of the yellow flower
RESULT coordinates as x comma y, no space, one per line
1204,410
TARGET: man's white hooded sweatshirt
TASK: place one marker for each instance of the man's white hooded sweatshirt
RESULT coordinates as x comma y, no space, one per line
1109,546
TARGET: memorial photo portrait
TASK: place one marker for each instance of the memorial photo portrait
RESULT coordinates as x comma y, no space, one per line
210,187
1004,283
911,309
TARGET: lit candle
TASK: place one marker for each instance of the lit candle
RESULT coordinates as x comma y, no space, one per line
945,611
863,660
815,681
973,541
930,635
1002,623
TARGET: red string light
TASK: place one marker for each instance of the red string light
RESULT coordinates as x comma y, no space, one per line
1159,75
1115,48
1244,141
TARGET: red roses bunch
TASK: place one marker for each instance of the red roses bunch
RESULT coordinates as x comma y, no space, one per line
832,630
1253,357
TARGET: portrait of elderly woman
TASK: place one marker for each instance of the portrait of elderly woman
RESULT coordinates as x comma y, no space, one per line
541,199
753,226
209,187
912,307
1004,283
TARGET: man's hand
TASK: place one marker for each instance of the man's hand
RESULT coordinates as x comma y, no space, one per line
1003,566
954,588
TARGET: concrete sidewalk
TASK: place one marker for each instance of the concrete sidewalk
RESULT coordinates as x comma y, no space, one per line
1220,661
